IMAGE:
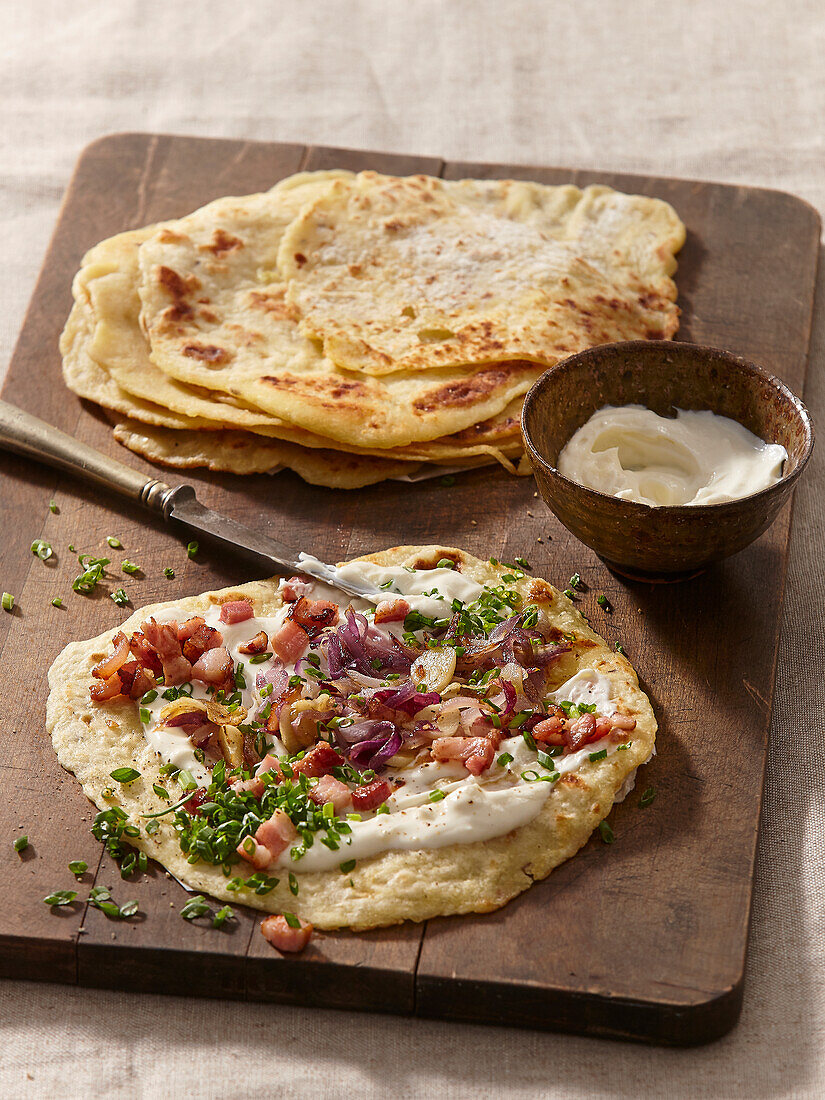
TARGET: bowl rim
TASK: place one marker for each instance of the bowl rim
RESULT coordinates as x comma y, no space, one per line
643,346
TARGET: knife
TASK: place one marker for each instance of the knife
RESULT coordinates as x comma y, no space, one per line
25,435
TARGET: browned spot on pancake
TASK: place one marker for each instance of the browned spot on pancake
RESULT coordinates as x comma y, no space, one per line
178,289
222,242
469,391
431,561
207,353
300,259
323,387
208,315
539,589
355,270
572,780
169,236
273,304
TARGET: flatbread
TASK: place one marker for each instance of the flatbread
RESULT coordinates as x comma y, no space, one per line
417,273
245,453
215,313
92,741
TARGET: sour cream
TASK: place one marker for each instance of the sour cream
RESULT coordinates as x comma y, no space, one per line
696,457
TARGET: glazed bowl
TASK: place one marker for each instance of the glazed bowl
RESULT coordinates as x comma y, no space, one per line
668,542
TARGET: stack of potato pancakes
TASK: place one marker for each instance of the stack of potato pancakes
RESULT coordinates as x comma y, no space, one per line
354,328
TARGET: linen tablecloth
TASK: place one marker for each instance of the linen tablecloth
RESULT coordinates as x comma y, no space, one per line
722,91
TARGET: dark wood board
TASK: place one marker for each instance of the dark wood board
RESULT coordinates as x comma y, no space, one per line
642,939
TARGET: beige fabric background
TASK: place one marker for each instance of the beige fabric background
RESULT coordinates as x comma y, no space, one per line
726,91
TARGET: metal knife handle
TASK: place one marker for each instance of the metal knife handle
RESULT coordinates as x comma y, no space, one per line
25,435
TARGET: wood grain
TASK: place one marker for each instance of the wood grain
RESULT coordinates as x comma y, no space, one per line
645,938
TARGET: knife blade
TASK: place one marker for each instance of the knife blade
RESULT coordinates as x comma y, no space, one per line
26,435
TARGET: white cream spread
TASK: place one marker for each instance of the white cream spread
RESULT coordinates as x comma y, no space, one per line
696,457
473,807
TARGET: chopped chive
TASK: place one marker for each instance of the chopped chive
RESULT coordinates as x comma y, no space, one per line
128,909
647,797
195,907
21,844
57,602
346,866
600,755
52,506
125,775
445,563
621,649
626,745
78,866
186,780
569,593
7,601
161,792
436,795
575,581
192,549
115,544
608,836
42,549
129,566
60,897
222,916
528,740
169,572
293,885
259,658
120,597
602,601
505,759
149,697
292,920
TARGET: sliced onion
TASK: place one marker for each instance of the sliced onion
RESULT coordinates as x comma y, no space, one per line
376,752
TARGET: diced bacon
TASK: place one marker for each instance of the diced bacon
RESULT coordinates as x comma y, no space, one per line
294,588
620,726
187,629
193,805
313,615
370,795
163,637
276,833
145,654
550,731
330,789
254,853
135,681
214,667
277,931
580,732
254,785
236,611
483,727
255,645
475,753
289,641
110,665
106,689
201,639
392,611
269,763
320,760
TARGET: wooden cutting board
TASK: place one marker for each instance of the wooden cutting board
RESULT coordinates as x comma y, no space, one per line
644,938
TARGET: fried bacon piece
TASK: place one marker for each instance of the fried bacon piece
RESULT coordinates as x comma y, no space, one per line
294,588
255,645
392,611
320,760
330,789
279,932
370,795
313,616
107,668
215,667
163,638
236,611
475,753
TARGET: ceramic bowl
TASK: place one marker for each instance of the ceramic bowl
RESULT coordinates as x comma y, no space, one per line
666,542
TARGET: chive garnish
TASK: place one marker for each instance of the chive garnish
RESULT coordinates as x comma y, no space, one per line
505,759
293,885
292,920
57,602
195,907
78,866
7,601
21,844
120,597
436,795
608,836
601,600
647,797
52,506
42,549
115,543
60,897
169,572
222,916
192,549
600,755
347,866
129,567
